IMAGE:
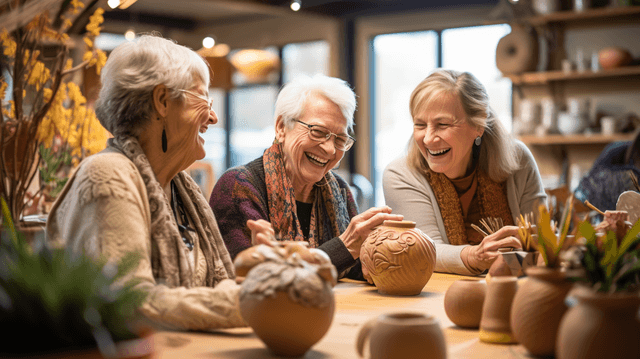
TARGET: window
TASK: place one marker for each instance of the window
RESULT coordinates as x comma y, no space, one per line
402,60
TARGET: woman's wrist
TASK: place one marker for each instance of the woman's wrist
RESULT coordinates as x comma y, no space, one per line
467,259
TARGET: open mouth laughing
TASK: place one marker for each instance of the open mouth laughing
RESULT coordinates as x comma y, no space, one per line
316,160
438,152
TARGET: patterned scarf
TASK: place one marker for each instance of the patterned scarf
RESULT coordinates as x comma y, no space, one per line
329,215
492,199
169,255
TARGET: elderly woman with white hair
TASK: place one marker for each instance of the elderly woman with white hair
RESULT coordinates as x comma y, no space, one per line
462,167
134,197
291,190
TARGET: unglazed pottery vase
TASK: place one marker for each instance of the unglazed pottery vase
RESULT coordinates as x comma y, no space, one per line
600,325
537,309
463,302
399,258
495,324
288,302
402,336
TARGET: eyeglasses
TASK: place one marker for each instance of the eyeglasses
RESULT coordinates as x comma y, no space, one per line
322,134
204,98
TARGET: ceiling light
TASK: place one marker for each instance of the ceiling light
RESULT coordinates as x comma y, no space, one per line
208,42
296,4
113,3
130,35
255,65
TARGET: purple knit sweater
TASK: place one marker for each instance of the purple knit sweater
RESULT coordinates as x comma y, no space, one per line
241,194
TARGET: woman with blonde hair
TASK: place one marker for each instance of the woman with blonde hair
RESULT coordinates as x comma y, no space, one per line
462,167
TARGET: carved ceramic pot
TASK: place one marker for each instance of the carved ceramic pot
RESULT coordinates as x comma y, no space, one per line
288,302
537,309
463,302
600,325
399,258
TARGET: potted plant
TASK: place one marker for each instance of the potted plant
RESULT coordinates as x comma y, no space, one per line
539,304
604,318
62,303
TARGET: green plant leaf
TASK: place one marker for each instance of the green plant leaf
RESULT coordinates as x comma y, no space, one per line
565,222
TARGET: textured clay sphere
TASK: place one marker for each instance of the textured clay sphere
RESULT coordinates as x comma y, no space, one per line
399,258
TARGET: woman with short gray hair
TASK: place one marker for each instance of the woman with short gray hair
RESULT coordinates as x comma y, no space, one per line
290,193
135,197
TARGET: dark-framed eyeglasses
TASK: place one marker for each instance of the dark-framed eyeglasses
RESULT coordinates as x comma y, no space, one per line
208,100
322,134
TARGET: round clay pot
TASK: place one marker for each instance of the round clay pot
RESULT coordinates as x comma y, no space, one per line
600,325
495,324
399,257
517,51
402,336
463,302
612,57
537,309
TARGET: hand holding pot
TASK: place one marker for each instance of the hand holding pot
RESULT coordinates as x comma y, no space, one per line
362,225
261,232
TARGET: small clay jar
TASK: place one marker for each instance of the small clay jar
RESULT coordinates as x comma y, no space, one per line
288,302
399,258
463,302
402,336
600,325
495,324
537,309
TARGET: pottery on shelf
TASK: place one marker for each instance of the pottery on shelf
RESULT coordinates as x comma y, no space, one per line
495,324
399,258
287,301
613,57
463,302
402,336
537,309
517,51
600,325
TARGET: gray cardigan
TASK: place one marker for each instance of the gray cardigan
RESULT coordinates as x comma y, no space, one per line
408,193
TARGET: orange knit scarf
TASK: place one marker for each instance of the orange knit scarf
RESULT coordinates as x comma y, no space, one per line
492,198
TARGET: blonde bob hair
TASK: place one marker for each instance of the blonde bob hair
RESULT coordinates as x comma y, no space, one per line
498,154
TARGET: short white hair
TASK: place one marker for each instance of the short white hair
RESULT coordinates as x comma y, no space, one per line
292,99
133,70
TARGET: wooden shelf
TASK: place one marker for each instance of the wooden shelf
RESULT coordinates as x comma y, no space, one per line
540,78
574,139
591,14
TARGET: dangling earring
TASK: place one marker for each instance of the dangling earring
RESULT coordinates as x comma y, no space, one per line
164,140
478,141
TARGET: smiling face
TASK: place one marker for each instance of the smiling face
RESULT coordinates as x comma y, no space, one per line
306,160
186,120
444,136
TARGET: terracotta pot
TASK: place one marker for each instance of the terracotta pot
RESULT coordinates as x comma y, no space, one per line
517,51
463,302
600,325
612,57
288,303
402,336
399,257
495,324
537,309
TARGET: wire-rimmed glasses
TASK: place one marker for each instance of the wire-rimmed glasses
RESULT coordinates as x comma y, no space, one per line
204,98
322,134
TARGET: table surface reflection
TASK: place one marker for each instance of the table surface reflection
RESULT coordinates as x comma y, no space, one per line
356,303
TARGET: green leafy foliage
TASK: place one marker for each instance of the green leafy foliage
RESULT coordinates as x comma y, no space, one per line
611,264
549,243
52,163
58,300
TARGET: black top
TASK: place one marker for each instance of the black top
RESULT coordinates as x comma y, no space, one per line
304,216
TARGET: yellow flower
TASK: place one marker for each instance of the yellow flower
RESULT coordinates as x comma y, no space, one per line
102,60
88,42
8,43
3,88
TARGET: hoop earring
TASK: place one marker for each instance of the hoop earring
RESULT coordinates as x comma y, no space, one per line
164,140
478,141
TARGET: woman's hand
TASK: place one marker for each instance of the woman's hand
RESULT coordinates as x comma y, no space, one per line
362,224
261,232
482,256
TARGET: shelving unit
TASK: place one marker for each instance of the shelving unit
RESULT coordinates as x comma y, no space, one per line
574,139
606,13
540,78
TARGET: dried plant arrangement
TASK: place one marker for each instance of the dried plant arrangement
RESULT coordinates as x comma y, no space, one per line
552,239
525,230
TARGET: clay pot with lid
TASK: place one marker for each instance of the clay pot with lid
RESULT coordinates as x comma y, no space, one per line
537,309
287,301
600,325
463,302
399,258
402,336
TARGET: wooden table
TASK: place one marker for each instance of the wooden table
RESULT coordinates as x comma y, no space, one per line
356,303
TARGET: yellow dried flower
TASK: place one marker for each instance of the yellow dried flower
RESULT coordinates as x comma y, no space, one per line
88,41
3,88
9,44
102,60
